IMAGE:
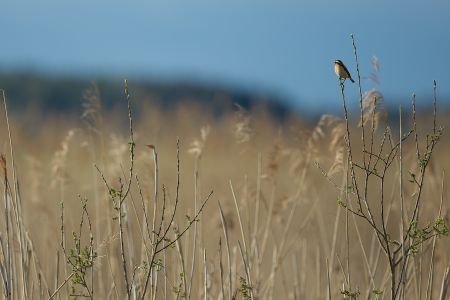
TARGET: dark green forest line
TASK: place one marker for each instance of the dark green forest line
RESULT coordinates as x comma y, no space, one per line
63,94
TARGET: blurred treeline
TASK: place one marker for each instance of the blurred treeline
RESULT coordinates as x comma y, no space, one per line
49,93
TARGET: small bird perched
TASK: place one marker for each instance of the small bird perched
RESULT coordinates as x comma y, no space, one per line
341,71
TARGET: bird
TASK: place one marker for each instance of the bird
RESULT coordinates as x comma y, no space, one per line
341,70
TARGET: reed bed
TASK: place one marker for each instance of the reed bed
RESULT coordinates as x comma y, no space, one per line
183,204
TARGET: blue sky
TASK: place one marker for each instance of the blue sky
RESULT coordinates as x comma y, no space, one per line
284,47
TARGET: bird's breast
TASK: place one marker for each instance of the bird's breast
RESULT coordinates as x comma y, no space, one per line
339,70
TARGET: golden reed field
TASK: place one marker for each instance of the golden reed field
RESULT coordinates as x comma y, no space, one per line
182,204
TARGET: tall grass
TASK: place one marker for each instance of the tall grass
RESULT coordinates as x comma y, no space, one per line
183,204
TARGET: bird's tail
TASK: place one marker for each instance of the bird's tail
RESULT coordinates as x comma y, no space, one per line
351,79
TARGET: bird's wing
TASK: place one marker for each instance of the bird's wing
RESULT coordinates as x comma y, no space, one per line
346,70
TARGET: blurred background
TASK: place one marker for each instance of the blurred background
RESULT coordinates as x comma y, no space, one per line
276,51
249,90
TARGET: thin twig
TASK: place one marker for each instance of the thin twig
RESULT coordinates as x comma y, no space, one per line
59,288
